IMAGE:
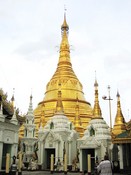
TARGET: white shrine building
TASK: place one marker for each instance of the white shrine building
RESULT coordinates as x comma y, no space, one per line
57,137
8,129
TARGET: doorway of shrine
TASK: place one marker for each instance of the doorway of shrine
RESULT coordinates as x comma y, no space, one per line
85,162
48,153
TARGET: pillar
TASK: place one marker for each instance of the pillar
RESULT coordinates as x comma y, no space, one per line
57,152
7,164
20,164
81,160
89,164
1,153
120,156
52,164
65,164
70,162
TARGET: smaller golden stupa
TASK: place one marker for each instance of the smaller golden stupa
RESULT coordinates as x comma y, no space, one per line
120,124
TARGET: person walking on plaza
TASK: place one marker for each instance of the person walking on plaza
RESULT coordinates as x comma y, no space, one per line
105,167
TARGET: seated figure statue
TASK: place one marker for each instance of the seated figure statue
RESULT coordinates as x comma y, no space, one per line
33,165
59,165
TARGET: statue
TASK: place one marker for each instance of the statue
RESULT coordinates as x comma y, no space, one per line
33,165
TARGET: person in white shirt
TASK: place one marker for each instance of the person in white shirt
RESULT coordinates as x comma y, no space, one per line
105,167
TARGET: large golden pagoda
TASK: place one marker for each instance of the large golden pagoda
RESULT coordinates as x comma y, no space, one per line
71,89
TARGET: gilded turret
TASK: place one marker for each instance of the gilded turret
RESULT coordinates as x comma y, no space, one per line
77,121
70,86
96,110
119,125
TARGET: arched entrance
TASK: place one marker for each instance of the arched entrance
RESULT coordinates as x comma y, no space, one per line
85,152
6,149
48,152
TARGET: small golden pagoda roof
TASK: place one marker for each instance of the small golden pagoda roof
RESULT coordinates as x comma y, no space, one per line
96,110
119,125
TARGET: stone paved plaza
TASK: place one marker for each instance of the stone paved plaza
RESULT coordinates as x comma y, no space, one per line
55,173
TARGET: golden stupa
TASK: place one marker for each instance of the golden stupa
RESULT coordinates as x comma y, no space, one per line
71,89
120,124
75,107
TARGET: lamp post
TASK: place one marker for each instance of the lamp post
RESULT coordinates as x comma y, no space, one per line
109,99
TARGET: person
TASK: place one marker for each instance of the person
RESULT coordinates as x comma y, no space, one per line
14,159
105,167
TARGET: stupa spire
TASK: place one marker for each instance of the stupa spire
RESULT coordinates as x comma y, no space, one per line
2,118
14,118
119,125
64,26
96,110
30,109
64,46
13,98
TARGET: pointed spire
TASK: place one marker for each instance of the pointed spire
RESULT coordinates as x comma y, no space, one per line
96,110
29,125
14,118
119,125
59,105
30,114
64,46
2,118
13,98
65,25
30,109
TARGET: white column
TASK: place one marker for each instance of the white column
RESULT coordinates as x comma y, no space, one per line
61,150
69,158
1,153
120,156
42,152
80,160
39,152
103,150
57,152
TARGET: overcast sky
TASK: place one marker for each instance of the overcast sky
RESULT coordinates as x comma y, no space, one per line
100,39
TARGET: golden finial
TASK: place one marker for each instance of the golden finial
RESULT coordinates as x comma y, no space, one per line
118,95
13,98
95,84
65,25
